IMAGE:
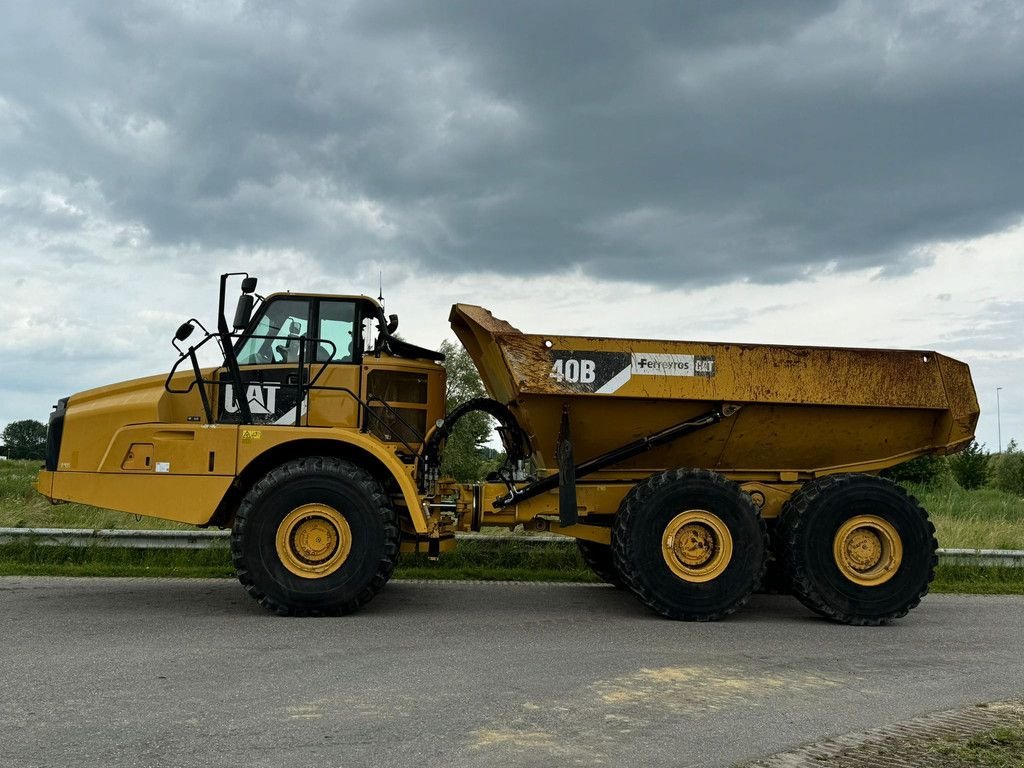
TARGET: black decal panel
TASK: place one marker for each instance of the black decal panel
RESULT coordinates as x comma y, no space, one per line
271,394
589,371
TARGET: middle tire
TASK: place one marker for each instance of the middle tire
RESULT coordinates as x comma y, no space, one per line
601,560
690,544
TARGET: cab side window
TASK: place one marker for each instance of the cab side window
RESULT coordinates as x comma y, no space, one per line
337,326
275,338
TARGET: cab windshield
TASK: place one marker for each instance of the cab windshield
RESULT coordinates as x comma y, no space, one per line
275,339
284,321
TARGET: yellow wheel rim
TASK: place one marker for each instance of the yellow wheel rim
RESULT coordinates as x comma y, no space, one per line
313,541
867,550
696,545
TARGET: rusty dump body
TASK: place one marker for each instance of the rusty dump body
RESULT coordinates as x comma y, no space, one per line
792,413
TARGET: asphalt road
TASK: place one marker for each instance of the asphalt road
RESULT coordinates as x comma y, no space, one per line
127,672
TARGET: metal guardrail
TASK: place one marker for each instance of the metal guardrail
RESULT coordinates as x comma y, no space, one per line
1007,558
126,539
134,539
139,539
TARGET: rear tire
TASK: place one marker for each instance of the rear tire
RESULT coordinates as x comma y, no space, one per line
690,544
315,537
601,560
858,549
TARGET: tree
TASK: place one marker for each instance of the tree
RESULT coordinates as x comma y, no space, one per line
1008,472
923,469
970,466
465,456
25,439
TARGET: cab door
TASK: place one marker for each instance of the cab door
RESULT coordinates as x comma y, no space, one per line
269,359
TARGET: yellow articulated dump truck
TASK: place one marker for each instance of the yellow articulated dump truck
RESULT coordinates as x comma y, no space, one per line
681,468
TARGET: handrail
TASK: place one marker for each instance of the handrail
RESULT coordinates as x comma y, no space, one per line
302,387
181,358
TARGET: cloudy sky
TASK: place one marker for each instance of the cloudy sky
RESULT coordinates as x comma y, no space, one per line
847,173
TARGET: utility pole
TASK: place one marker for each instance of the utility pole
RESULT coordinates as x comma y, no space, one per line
999,423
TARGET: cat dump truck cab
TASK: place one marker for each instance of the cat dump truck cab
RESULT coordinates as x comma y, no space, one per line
683,469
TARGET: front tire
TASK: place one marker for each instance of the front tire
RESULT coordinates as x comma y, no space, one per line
858,549
690,544
315,536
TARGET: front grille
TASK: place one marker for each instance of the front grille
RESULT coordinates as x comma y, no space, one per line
54,434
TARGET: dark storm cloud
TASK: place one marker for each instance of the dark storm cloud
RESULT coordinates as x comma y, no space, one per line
676,143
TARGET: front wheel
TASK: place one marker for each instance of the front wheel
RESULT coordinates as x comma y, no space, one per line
690,544
315,536
858,549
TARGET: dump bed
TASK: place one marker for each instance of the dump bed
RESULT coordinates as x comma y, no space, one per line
802,409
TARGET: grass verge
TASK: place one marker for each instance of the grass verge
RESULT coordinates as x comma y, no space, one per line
27,559
986,518
1001,747
974,580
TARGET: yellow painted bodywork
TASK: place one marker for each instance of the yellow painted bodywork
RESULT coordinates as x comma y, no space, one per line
136,448
182,498
594,500
263,438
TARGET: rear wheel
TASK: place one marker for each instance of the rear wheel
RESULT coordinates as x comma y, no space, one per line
690,544
315,536
601,560
858,549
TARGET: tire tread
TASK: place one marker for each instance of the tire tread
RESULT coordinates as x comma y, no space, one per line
600,558
631,511
294,470
795,513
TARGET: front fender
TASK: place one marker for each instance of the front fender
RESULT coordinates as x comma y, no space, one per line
255,443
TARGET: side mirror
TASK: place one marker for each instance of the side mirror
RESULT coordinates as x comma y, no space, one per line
249,285
243,312
184,331
392,324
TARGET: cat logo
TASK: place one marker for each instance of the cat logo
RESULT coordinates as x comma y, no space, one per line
262,399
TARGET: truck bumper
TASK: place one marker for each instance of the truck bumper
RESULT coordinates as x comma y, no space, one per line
44,484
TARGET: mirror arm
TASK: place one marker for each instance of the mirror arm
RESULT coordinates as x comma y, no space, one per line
230,358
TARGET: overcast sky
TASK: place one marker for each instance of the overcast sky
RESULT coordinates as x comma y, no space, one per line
845,173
